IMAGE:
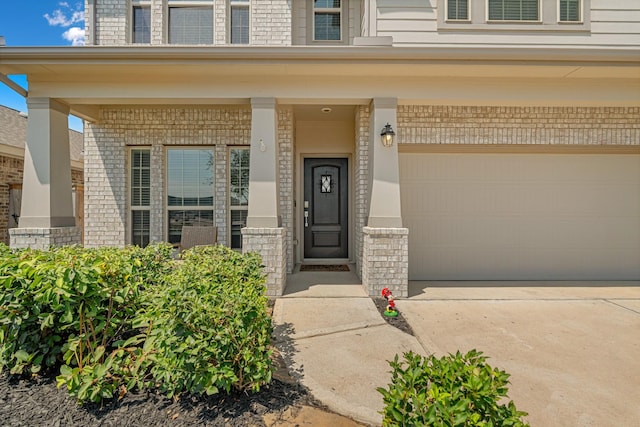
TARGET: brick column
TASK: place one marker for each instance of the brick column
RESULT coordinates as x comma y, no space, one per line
385,260
271,244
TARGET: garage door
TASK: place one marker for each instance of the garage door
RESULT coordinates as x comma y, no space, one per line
520,216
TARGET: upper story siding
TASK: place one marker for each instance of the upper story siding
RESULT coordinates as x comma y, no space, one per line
423,23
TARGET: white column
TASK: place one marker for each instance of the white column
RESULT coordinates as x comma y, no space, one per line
384,177
46,187
264,208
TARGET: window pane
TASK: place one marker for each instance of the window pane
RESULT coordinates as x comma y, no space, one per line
569,10
513,10
239,177
327,4
141,24
178,219
191,25
190,177
327,26
140,228
140,177
457,9
239,25
238,221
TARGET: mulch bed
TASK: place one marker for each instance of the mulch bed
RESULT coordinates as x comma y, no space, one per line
399,322
39,403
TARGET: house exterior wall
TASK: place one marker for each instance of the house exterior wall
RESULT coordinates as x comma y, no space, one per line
414,23
107,151
108,22
518,125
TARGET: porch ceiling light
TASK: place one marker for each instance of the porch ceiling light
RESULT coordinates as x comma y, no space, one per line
387,135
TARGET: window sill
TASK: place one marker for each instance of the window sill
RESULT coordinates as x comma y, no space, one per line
514,26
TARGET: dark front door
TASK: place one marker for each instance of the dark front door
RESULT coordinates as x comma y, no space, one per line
325,214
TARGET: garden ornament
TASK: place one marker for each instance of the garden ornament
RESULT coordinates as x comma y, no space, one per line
391,310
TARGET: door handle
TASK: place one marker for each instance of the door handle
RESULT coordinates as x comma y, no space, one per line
306,218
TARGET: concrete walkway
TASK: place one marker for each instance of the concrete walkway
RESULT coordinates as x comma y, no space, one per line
572,349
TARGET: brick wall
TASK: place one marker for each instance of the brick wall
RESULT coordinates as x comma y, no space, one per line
111,22
361,173
270,20
285,146
106,147
518,125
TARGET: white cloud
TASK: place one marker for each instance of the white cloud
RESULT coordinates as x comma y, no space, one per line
75,35
66,17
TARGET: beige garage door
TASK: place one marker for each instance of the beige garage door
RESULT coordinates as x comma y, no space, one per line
522,216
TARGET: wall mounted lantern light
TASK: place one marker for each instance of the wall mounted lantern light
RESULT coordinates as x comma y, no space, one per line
387,135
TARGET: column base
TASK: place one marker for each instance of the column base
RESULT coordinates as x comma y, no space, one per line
44,238
271,244
385,260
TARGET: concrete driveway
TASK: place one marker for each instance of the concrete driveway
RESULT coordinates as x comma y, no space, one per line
572,349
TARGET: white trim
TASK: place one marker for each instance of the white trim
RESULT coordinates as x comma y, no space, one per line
229,207
241,4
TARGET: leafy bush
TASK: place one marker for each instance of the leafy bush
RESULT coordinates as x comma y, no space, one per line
209,325
117,319
455,390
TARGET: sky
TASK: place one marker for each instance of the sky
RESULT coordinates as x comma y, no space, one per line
39,23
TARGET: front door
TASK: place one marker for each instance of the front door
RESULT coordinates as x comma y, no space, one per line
325,208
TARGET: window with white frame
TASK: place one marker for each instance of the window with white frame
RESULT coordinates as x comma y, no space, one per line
141,22
493,16
190,182
238,193
513,10
569,11
239,22
327,20
140,183
190,22
458,10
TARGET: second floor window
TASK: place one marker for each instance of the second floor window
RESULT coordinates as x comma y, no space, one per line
141,24
570,11
327,17
458,10
191,24
513,10
239,24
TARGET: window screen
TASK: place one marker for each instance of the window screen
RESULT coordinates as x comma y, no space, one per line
191,25
513,10
141,24
569,10
458,9
240,23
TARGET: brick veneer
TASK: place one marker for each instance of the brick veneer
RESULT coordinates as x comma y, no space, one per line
271,244
44,238
385,260
362,118
419,124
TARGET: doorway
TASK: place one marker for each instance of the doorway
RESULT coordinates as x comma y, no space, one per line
326,208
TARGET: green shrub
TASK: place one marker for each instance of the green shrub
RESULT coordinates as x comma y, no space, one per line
117,319
208,324
455,390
